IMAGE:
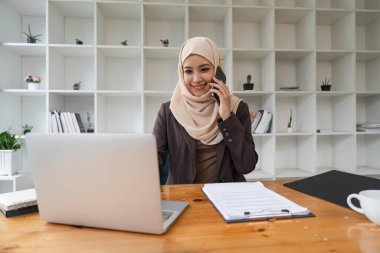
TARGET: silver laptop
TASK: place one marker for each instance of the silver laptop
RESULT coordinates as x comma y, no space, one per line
106,181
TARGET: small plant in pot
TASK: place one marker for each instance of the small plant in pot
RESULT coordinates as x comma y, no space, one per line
326,85
27,128
30,38
32,81
165,43
248,85
76,86
8,145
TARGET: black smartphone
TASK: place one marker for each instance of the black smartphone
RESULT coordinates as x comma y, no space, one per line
222,77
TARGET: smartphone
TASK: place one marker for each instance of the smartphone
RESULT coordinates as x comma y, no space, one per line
222,77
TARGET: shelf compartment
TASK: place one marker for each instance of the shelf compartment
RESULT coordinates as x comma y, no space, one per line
303,116
75,103
213,22
367,72
367,4
332,113
339,67
263,3
251,28
367,109
208,2
21,109
160,74
70,64
295,156
294,3
335,30
258,64
18,61
294,29
335,4
367,152
17,15
152,105
336,152
164,22
265,148
119,114
119,69
117,22
295,68
367,28
71,20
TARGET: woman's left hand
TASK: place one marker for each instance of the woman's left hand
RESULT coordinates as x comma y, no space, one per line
224,96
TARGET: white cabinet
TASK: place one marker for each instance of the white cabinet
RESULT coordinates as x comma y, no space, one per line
126,73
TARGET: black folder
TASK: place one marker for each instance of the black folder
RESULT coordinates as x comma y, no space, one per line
334,186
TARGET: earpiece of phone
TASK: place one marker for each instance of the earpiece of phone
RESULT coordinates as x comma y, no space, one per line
222,77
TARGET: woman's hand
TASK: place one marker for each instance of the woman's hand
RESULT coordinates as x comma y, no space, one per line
224,96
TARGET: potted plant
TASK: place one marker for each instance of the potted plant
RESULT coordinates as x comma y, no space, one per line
30,38
27,128
8,145
124,43
165,43
290,130
76,86
90,129
78,42
326,85
32,81
248,85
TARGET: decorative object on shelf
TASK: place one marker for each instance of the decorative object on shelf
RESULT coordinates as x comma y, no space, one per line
30,37
290,129
76,86
90,128
8,145
165,43
124,43
27,128
248,85
326,85
78,42
32,81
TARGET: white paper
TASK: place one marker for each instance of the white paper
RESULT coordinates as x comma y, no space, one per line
235,200
14,200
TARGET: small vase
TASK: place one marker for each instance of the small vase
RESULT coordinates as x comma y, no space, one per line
248,86
31,40
290,130
33,86
326,87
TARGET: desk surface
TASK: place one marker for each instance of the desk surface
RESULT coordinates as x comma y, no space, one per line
201,229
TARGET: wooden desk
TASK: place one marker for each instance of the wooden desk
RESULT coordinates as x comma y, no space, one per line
201,229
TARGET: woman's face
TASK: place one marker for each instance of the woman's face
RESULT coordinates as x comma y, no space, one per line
198,73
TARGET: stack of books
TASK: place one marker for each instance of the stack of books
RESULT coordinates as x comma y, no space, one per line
368,127
261,122
290,88
17,203
66,122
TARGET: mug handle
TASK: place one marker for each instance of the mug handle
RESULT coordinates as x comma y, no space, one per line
349,198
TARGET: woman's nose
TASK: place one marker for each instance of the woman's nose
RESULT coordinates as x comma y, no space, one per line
197,78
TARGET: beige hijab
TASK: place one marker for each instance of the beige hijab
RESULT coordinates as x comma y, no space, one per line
199,115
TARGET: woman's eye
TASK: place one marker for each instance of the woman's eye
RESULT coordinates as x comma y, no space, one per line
188,71
205,70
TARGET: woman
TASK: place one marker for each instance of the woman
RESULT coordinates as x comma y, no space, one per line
204,141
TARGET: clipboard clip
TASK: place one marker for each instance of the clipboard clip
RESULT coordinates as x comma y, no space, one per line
267,214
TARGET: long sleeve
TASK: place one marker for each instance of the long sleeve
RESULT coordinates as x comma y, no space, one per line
160,132
237,135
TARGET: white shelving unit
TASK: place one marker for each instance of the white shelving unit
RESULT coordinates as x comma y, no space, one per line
278,42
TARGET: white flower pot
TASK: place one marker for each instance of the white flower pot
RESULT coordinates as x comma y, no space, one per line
6,163
33,86
290,130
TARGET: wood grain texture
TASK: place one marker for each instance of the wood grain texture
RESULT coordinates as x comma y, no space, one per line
201,229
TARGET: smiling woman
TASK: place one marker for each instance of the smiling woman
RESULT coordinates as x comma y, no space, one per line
205,141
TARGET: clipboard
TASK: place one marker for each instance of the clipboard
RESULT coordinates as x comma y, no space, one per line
243,202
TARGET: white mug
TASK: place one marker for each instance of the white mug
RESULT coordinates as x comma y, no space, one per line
369,202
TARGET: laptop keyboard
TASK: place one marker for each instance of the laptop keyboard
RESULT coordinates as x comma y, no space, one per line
166,215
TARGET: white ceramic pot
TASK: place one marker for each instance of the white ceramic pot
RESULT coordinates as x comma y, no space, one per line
6,162
33,86
290,130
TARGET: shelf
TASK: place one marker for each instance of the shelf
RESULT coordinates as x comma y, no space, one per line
25,49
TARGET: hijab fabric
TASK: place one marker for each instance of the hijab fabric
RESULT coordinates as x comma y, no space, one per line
199,115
